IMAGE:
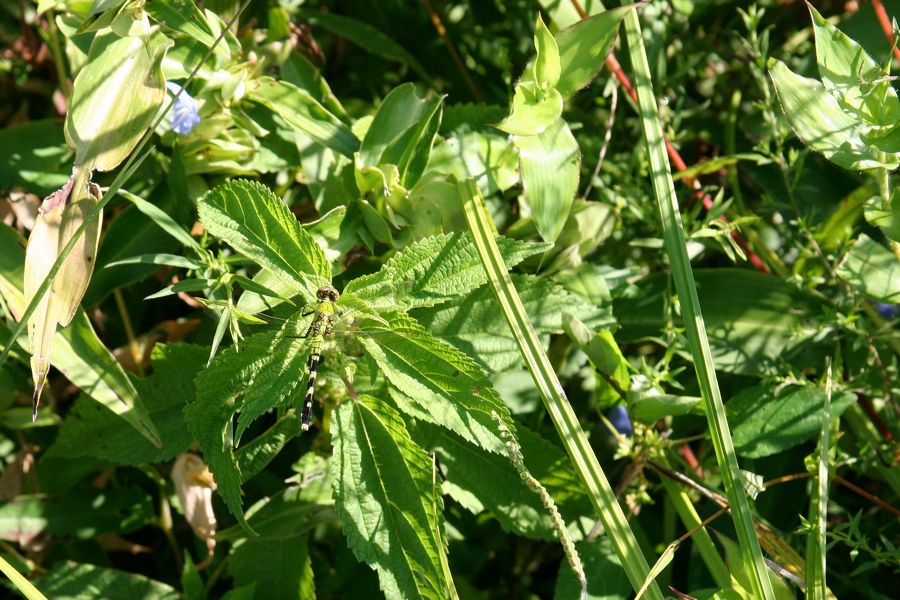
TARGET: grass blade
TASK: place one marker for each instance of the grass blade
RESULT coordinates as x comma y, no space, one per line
673,234
564,419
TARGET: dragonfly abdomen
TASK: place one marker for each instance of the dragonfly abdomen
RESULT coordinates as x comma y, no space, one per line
306,415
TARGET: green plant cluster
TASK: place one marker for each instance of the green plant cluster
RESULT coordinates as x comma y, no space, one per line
617,314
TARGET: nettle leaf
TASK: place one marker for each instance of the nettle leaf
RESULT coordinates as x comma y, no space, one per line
448,387
263,375
94,431
388,500
72,581
819,120
475,326
872,269
432,271
583,48
303,113
402,133
484,481
82,514
255,456
283,564
249,217
767,420
549,163
283,516
849,72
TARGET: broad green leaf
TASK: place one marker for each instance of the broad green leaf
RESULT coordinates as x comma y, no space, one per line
489,159
72,581
849,73
754,322
474,325
281,568
818,119
36,156
432,271
546,63
256,455
606,580
768,420
388,500
94,431
402,133
872,269
254,222
441,384
365,36
302,113
887,220
549,164
484,481
262,376
583,48
651,407
82,514
115,99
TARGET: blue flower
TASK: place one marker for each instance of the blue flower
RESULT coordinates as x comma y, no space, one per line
887,311
184,113
618,417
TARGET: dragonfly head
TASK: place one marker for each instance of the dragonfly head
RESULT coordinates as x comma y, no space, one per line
327,293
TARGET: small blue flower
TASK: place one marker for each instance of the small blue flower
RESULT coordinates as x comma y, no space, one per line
888,311
184,113
618,417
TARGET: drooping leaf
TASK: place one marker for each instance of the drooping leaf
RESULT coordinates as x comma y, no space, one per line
73,581
549,163
301,112
474,325
872,269
769,420
105,123
254,222
438,382
388,501
91,430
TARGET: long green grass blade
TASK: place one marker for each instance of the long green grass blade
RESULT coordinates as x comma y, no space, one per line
673,234
816,540
22,584
564,419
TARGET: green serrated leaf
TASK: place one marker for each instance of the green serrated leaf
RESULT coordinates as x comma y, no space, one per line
474,325
432,271
388,501
254,222
446,384
549,163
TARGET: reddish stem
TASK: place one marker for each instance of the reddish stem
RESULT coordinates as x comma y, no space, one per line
885,21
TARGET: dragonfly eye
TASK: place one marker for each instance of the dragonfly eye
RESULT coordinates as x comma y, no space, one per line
328,293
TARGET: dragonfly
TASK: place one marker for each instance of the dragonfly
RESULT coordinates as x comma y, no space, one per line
324,315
